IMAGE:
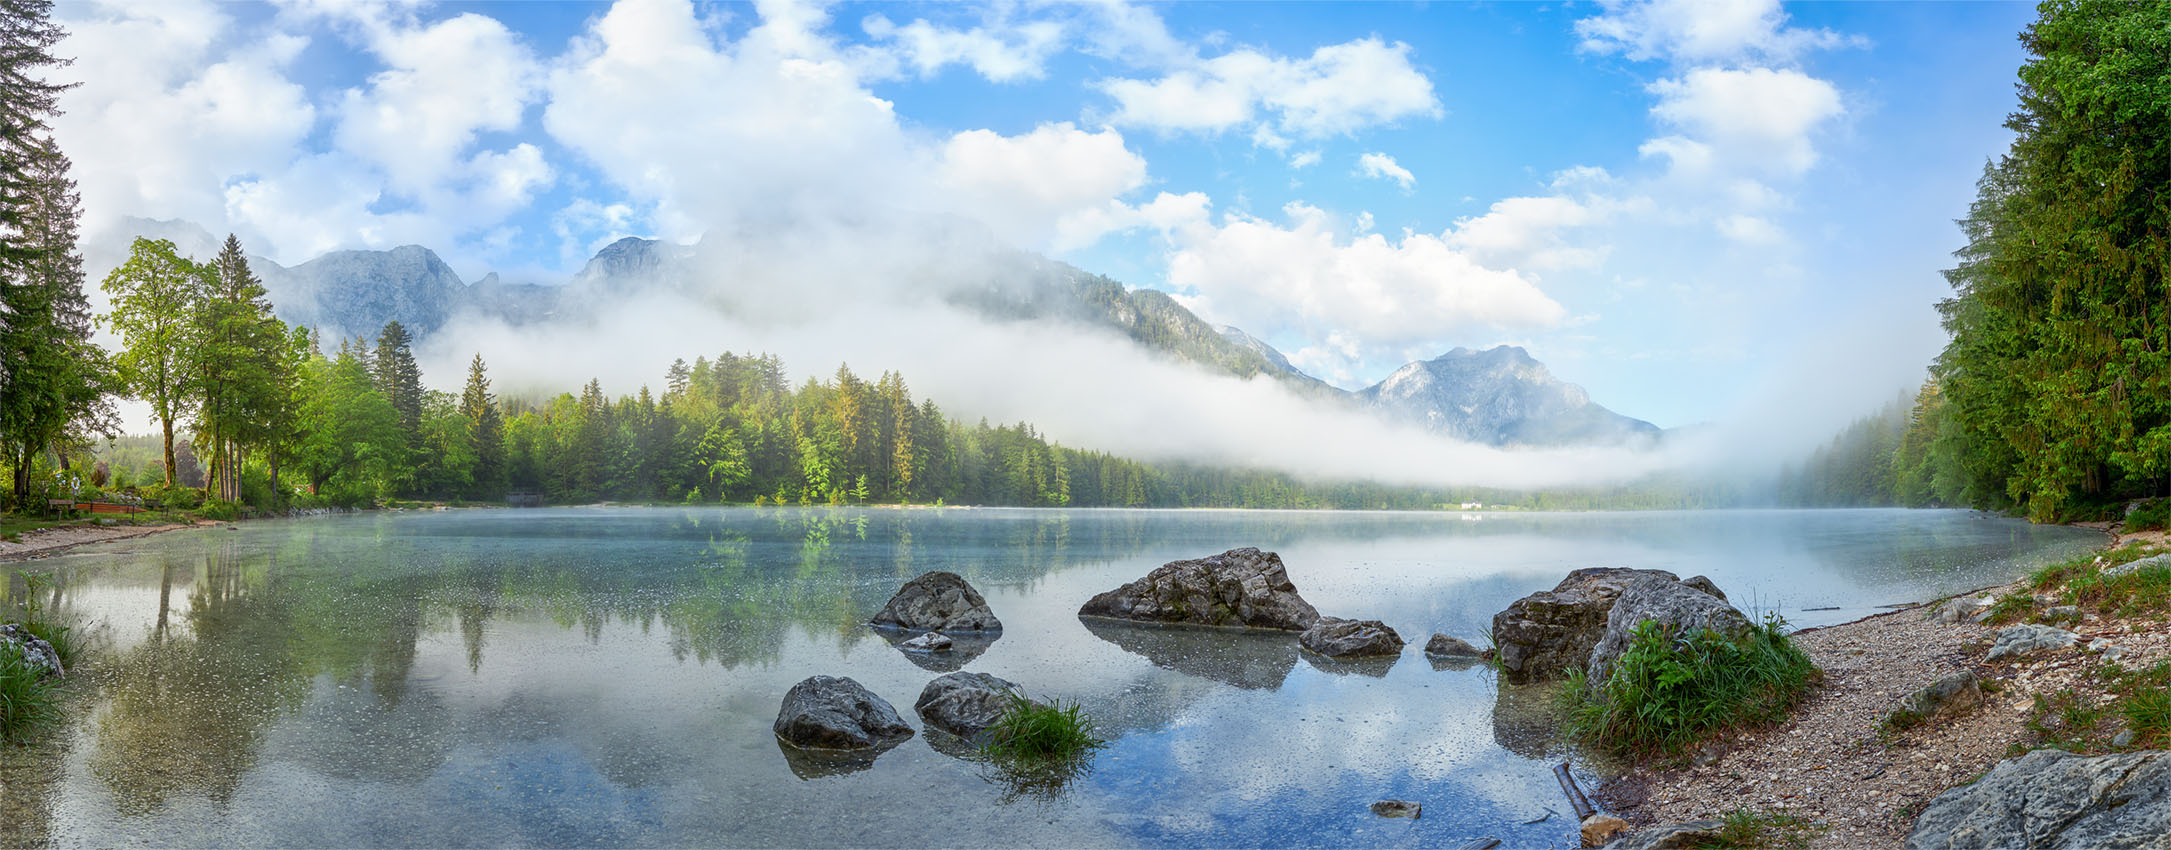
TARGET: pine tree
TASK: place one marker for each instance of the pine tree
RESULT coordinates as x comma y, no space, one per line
240,349
53,393
486,428
399,379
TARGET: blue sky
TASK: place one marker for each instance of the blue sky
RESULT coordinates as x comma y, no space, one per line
1691,207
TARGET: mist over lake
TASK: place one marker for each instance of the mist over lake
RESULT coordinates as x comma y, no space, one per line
608,676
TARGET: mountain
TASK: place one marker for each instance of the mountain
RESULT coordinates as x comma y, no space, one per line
1499,396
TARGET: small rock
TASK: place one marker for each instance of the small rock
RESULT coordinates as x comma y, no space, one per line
1961,608
2045,600
1398,809
837,713
938,601
965,704
1946,697
35,651
1480,844
930,642
2123,739
1599,829
2017,641
1695,833
1447,647
1335,637
2153,562
2113,653
2061,614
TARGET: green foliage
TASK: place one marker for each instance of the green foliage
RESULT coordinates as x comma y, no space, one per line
1032,734
1752,829
2065,719
156,294
27,701
1667,691
2152,516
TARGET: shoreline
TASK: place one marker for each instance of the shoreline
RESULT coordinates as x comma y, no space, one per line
1831,764
47,542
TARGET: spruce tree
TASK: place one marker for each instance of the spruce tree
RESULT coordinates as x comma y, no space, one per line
486,428
399,379
53,394
240,349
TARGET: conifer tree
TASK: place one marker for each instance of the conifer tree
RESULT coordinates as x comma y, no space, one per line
485,427
399,379
53,393
240,349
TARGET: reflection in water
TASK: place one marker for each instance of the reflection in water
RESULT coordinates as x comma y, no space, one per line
822,764
1525,719
608,676
1252,660
963,649
1374,666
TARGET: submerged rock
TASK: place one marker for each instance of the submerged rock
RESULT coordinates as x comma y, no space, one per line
1442,646
965,704
35,651
929,642
1335,637
1398,809
2055,799
938,602
837,713
2021,640
1238,588
1544,635
1679,605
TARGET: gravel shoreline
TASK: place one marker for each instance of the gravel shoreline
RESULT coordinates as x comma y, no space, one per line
1834,766
45,542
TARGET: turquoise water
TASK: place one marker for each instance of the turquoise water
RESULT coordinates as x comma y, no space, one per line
607,676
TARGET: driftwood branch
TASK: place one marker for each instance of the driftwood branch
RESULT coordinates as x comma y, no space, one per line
1575,795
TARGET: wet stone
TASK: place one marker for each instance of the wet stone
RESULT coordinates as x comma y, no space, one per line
1398,809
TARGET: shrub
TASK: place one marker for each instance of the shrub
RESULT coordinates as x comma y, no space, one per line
1667,691
26,699
1745,828
1030,733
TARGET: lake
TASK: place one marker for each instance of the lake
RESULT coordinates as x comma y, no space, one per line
608,676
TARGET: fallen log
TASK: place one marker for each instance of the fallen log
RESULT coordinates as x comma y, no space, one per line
1576,799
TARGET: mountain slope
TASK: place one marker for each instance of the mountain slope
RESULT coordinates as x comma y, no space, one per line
1499,396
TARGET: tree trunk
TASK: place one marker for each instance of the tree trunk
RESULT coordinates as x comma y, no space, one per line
167,424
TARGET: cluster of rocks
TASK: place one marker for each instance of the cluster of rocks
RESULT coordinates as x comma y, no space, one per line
35,651
838,713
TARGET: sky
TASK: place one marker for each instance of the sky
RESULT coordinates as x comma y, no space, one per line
1700,211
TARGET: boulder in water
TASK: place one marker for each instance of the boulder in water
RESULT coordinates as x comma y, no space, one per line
35,651
1442,646
1544,635
965,704
938,602
1243,588
1335,637
1680,606
837,713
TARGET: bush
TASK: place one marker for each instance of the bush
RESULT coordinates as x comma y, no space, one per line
220,509
1667,691
2152,516
1033,734
27,702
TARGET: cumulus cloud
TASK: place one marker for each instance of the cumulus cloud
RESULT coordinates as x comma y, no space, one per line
1055,175
444,83
1002,50
1379,166
1701,31
1758,120
1339,89
1266,275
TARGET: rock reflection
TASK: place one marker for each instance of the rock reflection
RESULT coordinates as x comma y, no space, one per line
1258,661
963,649
1526,719
822,764
1374,666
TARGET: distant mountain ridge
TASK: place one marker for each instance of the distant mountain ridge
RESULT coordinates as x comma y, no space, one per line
1499,396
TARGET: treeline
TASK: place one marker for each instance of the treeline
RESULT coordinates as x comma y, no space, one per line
2053,397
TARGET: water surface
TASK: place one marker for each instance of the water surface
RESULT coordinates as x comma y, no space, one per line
575,677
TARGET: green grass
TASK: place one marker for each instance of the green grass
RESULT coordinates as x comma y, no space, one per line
27,701
1750,829
1031,733
1667,691
2143,699
2150,517
2065,720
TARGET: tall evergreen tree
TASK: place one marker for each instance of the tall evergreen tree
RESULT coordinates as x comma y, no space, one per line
239,349
155,295
399,379
486,429
53,393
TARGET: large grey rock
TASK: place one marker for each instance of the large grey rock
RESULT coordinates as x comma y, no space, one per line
1950,696
35,651
1544,635
965,704
938,602
2055,799
2026,638
837,713
1335,637
1238,588
1443,646
2152,562
1672,836
1677,605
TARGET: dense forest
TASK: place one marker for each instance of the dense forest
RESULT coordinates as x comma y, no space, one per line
2053,397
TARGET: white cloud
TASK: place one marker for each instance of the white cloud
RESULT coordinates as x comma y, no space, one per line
1057,174
1750,230
1701,31
444,84
1001,51
1304,160
1758,120
1339,89
1379,166
1262,275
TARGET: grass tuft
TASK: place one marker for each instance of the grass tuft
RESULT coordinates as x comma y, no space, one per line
27,701
1668,691
1749,829
1031,733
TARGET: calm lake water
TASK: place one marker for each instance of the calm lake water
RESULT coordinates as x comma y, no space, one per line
572,677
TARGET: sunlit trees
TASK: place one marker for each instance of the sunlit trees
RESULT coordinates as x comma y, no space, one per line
240,356
155,294
351,435
486,431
